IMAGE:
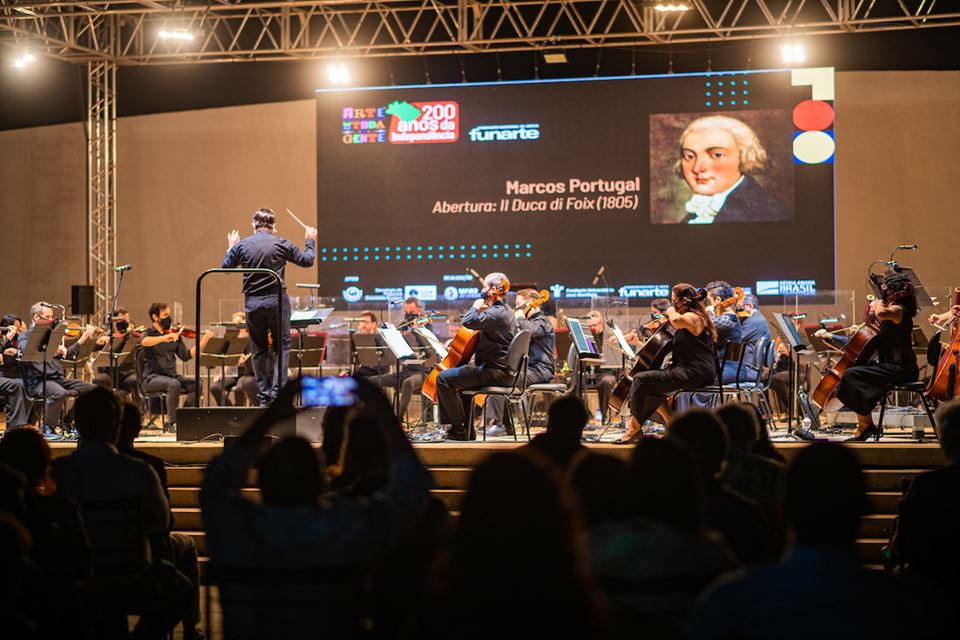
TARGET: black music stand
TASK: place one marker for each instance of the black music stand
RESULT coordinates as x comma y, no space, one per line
308,352
587,353
798,342
366,351
37,349
401,353
223,352
84,351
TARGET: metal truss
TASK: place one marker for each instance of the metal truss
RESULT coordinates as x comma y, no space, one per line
101,182
239,30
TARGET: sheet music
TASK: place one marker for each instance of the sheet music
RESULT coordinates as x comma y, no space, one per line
433,341
396,342
624,345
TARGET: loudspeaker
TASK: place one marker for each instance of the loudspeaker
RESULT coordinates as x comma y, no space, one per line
81,299
214,423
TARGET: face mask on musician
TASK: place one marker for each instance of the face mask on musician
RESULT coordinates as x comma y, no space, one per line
166,323
122,325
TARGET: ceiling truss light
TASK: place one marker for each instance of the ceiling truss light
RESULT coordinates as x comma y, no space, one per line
793,53
180,35
338,73
24,60
555,57
670,8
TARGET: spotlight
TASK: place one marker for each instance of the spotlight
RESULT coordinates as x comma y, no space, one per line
338,73
24,60
792,53
555,57
180,35
670,8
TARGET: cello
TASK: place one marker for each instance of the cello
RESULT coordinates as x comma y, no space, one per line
943,382
860,347
462,346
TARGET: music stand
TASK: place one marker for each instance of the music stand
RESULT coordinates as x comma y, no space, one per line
309,351
223,352
402,353
84,351
798,342
43,334
587,353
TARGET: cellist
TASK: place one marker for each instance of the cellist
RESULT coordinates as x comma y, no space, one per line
497,325
863,386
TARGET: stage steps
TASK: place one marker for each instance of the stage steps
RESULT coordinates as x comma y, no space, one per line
887,467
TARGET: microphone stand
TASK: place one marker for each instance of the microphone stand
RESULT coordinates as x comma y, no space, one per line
108,324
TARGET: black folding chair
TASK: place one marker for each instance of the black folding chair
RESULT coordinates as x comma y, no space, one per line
517,361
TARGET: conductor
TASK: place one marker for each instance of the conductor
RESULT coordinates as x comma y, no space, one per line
266,250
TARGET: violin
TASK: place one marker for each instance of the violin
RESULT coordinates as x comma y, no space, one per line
419,321
542,296
462,346
75,329
658,321
723,305
190,334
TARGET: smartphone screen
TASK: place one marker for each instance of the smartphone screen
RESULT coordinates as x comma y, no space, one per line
328,391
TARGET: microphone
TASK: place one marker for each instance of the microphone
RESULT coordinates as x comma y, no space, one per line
906,247
599,275
123,267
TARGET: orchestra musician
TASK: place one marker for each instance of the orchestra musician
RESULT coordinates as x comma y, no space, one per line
863,386
58,386
727,325
368,325
265,249
950,315
162,345
540,356
126,372
411,375
753,328
497,326
602,380
693,363
244,384
11,388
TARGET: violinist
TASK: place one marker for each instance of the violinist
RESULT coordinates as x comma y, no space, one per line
58,386
368,326
863,386
753,328
11,388
244,384
497,325
413,315
162,345
540,362
126,372
692,364
726,322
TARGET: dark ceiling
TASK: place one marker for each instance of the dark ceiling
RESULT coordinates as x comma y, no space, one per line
51,92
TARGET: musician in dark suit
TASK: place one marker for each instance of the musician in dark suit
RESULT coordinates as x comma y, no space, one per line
265,249
541,355
497,325
718,155
57,385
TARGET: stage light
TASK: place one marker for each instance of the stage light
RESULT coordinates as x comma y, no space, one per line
338,73
24,60
181,35
555,57
792,53
670,8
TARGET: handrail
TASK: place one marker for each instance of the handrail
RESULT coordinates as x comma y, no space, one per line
277,341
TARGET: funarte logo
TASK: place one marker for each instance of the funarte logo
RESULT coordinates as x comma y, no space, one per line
504,132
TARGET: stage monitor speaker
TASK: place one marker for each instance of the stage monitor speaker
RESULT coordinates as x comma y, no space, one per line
81,299
215,423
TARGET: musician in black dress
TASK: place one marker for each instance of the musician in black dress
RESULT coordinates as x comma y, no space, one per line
693,363
497,326
863,386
